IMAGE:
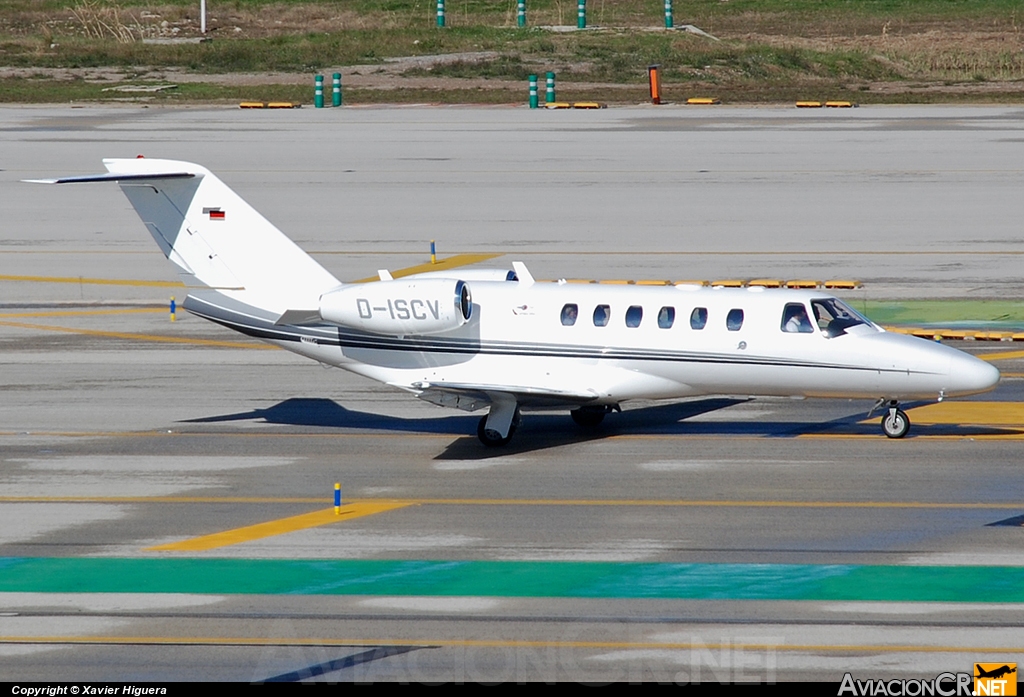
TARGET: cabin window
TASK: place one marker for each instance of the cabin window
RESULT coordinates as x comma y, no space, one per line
834,317
734,320
634,315
698,318
569,313
795,319
666,317
601,315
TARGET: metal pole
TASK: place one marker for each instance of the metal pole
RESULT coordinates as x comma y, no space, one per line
581,14
318,92
521,14
336,90
440,13
668,14
533,92
202,16
549,95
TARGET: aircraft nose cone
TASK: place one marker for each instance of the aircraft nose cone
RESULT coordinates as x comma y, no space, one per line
969,375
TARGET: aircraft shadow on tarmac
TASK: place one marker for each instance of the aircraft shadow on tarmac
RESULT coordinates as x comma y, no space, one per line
548,430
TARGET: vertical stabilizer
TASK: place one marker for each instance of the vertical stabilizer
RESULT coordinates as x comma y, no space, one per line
217,239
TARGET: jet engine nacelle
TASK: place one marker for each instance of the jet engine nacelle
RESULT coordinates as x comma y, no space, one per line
401,307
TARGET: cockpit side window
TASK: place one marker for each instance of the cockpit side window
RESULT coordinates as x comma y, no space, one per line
698,318
834,317
602,313
666,317
795,319
734,320
569,314
634,315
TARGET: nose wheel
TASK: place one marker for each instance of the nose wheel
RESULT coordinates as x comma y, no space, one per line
896,423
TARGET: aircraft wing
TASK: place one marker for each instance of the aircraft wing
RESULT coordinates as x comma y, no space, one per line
470,396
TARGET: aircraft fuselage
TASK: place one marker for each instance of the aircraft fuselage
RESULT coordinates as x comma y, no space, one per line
516,335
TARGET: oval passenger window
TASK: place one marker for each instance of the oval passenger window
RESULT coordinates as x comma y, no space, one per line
666,317
698,318
734,320
569,312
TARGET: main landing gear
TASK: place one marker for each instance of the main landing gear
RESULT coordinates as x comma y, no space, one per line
500,424
497,428
589,417
895,423
494,439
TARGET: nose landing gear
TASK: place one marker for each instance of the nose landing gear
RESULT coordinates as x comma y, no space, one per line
895,423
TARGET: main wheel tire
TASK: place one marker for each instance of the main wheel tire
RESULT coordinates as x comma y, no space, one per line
491,438
588,417
895,425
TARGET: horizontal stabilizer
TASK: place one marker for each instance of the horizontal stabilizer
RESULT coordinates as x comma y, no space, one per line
111,177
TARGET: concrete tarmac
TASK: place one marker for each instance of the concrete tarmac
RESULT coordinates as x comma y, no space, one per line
718,539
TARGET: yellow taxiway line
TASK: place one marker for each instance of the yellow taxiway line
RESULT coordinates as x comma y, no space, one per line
992,414
142,337
278,527
94,281
970,413
504,643
1002,356
85,313
361,507
366,507
442,265
1013,435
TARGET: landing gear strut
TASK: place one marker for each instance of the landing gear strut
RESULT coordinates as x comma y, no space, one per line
895,423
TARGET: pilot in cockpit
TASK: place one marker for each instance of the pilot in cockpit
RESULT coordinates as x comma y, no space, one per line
795,319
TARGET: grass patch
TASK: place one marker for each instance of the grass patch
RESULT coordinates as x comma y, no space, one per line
44,91
286,52
770,49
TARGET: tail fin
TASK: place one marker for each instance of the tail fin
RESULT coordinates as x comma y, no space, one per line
214,237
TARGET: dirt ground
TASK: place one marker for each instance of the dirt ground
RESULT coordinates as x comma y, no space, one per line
389,77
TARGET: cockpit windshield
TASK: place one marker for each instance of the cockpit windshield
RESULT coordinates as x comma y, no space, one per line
835,318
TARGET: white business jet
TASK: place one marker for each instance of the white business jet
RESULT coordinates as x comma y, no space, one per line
496,338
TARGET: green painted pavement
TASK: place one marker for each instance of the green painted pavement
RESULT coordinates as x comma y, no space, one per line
966,313
995,584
